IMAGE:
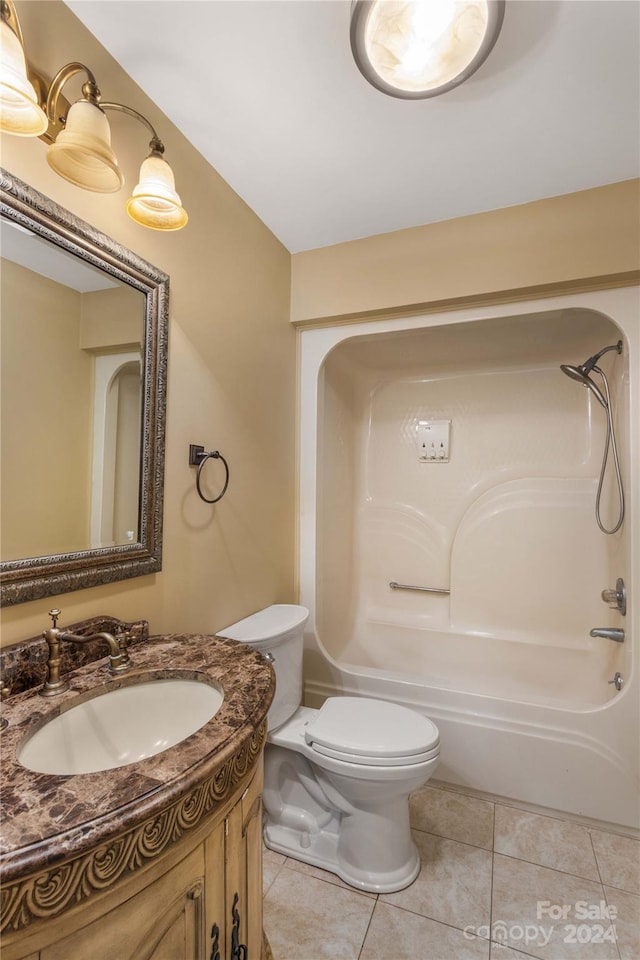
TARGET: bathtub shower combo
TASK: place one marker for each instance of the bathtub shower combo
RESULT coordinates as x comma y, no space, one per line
469,538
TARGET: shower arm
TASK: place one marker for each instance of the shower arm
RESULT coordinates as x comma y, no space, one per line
590,364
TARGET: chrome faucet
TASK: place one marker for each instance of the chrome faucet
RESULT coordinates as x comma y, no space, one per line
608,633
119,660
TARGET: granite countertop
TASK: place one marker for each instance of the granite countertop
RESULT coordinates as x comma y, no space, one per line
50,819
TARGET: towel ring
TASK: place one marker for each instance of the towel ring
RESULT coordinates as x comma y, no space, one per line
198,455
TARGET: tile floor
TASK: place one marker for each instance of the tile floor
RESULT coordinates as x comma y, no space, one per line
493,883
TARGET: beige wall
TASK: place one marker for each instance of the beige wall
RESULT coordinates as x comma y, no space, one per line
112,319
43,510
570,241
231,367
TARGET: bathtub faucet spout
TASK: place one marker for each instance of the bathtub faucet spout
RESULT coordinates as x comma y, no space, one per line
608,633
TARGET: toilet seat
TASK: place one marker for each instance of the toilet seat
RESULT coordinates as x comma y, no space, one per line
359,730
376,761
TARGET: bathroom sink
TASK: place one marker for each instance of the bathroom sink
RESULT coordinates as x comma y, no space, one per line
120,726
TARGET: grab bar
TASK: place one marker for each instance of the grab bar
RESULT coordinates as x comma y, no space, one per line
405,586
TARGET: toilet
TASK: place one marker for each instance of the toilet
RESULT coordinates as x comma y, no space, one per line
337,780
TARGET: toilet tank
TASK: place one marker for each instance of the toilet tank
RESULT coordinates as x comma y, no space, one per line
277,630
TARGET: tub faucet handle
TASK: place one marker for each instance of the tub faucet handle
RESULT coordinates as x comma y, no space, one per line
617,598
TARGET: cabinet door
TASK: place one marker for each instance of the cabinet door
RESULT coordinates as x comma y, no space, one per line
165,921
243,874
215,893
252,857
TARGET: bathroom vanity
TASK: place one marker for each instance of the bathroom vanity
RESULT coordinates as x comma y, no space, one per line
158,859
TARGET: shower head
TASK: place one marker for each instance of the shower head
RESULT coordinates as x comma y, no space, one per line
581,373
578,373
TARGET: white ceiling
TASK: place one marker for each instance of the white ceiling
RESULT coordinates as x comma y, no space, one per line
268,92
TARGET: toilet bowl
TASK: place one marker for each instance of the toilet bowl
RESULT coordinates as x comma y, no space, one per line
338,779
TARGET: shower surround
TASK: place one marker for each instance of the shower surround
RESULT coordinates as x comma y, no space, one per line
503,662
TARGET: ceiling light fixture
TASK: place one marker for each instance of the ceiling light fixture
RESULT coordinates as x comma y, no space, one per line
78,135
413,49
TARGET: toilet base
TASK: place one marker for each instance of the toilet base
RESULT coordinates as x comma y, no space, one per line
321,850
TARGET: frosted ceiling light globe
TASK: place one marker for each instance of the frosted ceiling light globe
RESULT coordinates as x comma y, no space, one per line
414,49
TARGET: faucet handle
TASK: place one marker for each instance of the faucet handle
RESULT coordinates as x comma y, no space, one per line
617,598
54,614
124,638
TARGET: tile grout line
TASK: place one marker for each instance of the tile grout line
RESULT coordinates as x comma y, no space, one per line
615,830
276,875
544,866
439,836
509,856
442,923
375,903
595,857
628,893
493,861
609,906
604,892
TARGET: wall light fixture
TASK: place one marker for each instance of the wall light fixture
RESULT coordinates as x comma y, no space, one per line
413,49
78,134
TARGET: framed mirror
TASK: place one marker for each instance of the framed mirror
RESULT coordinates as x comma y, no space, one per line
83,330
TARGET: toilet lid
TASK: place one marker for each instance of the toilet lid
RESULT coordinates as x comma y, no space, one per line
263,627
361,730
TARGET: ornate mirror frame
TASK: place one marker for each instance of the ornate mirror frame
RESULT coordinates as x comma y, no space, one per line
35,577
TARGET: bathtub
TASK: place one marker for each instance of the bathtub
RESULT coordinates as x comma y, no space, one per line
501,657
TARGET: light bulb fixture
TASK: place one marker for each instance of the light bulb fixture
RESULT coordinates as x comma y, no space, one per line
154,201
78,135
414,49
20,110
81,152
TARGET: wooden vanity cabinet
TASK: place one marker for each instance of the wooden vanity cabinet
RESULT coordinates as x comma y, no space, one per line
163,921
202,900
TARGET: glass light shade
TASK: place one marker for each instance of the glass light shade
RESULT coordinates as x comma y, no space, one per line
82,152
420,48
154,202
20,112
